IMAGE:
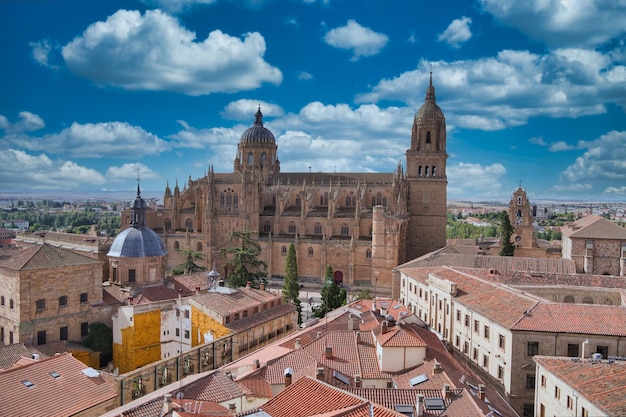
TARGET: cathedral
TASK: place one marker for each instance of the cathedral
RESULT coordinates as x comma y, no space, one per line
362,224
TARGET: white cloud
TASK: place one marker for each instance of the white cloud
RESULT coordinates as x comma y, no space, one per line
494,93
469,179
41,52
27,122
538,141
97,140
245,109
604,160
130,171
562,23
616,190
154,52
42,173
177,6
560,146
304,76
360,40
457,32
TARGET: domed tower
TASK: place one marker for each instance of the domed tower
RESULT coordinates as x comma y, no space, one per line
137,255
426,176
257,151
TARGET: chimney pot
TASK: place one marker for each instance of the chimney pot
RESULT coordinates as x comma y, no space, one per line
481,392
256,363
328,352
319,373
298,344
262,286
383,327
437,368
447,393
420,405
357,381
358,337
248,284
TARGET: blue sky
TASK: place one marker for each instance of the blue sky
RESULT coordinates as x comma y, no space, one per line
533,91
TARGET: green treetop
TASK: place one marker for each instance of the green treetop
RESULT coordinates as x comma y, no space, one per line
243,262
507,248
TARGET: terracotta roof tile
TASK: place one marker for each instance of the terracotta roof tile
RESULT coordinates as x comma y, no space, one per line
257,385
45,256
9,354
69,393
602,383
262,317
575,318
216,387
399,336
594,227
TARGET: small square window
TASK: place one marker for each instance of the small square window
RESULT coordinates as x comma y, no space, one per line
84,297
40,304
530,381
63,301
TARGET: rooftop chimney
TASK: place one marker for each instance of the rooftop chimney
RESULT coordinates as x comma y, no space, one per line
358,337
446,392
374,306
298,344
168,406
35,356
437,368
328,352
357,381
288,376
197,290
350,323
419,408
481,391
319,374
248,284
262,286
232,408
318,335
256,363
383,327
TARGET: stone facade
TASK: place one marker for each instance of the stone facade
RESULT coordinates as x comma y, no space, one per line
362,224
596,245
47,294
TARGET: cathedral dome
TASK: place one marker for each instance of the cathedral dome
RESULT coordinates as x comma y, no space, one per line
257,133
137,243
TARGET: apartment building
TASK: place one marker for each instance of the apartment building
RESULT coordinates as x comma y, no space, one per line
497,328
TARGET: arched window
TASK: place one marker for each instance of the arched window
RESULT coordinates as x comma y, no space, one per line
519,200
348,201
379,199
426,171
189,224
235,200
263,158
176,245
427,137
344,230
434,171
11,304
250,158
419,171
168,224
384,203
318,229
283,250
2,301
587,300
199,246
310,252
368,254
267,227
324,199
569,299
298,201
292,228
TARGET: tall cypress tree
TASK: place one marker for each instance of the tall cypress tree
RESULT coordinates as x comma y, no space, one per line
507,248
291,287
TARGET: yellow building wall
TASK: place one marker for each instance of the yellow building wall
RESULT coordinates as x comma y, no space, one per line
201,323
91,359
141,343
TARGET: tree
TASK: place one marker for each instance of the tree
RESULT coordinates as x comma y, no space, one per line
100,339
364,294
244,264
291,287
507,248
332,295
189,264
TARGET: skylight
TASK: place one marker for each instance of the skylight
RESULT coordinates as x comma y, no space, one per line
397,306
27,383
55,374
418,380
341,377
435,404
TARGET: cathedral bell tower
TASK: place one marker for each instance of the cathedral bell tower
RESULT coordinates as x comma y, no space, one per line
426,176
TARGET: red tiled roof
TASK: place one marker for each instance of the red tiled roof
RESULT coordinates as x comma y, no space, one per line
601,383
257,385
69,393
398,336
502,305
262,317
9,354
216,387
45,256
575,318
594,227
321,400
